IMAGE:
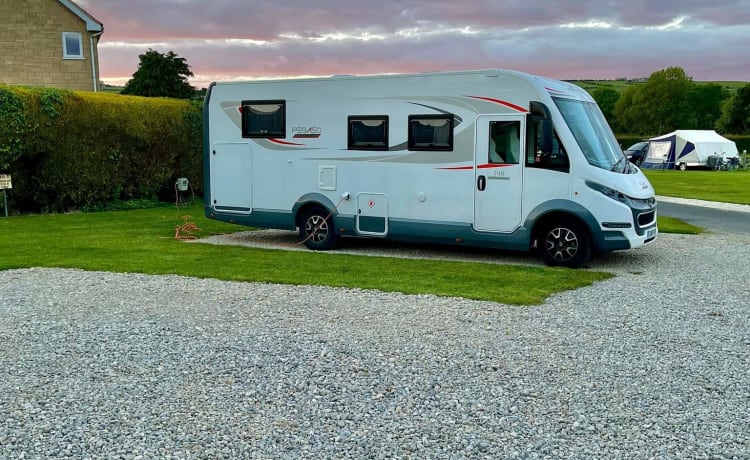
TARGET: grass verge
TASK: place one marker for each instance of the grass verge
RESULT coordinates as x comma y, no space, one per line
143,241
672,225
723,186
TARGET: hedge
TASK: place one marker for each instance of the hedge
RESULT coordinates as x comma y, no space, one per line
76,150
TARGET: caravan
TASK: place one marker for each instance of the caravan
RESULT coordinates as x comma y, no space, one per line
488,158
687,148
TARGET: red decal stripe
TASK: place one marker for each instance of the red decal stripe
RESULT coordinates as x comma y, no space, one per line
483,166
494,165
501,102
279,141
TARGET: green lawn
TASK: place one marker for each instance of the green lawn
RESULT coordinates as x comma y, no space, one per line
672,225
143,241
723,186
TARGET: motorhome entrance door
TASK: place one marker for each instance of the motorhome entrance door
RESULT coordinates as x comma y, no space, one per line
498,180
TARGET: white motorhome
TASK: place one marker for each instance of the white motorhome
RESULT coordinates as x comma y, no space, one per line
490,158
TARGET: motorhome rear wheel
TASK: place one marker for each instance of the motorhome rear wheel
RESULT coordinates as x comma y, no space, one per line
316,229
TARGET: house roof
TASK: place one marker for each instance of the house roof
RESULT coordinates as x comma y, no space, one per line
92,24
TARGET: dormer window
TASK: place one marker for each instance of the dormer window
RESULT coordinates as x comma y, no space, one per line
72,45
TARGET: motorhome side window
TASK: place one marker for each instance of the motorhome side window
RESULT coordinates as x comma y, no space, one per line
431,132
264,119
368,132
556,159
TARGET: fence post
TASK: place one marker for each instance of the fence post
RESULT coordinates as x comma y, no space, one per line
4,185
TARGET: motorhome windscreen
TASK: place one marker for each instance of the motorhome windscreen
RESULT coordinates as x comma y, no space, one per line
591,132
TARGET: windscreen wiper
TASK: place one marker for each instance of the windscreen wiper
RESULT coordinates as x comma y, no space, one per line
614,166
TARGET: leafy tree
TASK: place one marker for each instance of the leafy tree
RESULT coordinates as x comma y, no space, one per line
666,93
161,75
606,98
735,116
660,105
625,114
707,101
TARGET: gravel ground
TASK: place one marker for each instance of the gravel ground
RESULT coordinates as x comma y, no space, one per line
654,363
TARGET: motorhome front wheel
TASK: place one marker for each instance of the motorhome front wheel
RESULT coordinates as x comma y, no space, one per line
565,244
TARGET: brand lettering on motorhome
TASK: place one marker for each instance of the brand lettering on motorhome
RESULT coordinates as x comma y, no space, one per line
306,132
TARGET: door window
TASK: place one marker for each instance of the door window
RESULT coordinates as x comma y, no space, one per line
504,142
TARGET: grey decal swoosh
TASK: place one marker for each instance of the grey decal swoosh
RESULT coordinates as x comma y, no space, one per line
445,112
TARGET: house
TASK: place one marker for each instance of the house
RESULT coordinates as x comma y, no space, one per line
49,43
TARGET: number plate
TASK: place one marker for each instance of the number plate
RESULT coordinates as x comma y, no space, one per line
650,233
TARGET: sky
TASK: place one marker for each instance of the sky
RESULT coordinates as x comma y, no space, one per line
226,40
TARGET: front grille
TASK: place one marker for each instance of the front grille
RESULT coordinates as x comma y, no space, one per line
646,218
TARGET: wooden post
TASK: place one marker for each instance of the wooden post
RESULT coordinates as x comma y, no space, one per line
4,185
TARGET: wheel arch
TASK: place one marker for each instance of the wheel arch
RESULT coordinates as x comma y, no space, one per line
555,210
311,200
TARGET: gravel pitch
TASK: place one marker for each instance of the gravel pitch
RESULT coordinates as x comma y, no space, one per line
653,363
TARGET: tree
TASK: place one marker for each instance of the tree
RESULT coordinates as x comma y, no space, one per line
660,105
161,75
735,115
707,101
626,116
606,98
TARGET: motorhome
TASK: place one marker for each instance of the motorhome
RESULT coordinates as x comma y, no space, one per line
490,158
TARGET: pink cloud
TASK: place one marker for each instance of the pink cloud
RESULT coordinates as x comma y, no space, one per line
609,39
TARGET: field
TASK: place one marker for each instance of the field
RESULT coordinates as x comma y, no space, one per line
621,85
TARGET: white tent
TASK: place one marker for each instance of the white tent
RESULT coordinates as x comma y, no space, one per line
683,148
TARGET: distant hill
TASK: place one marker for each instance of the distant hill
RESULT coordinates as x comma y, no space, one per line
112,89
620,84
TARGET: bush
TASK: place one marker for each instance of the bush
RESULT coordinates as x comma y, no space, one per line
741,140
75,150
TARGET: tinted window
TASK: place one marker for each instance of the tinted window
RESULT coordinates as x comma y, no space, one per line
368,132
431,132
556,159
264,119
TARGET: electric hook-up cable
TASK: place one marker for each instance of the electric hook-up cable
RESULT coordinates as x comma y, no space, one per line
345,197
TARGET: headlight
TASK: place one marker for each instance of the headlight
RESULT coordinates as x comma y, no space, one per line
611,193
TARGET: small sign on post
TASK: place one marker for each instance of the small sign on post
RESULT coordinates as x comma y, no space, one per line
5,184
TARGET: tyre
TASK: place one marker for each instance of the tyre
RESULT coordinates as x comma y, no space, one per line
564,243
683,167
316,229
